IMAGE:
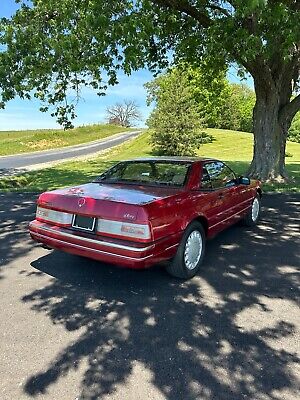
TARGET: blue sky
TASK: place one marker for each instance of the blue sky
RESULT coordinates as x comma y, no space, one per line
23,114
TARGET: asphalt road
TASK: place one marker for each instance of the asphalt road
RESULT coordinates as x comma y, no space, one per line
71,328
30,159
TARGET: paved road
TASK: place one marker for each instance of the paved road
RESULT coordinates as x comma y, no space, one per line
71,328
29,159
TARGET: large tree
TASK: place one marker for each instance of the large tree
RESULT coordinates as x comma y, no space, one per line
50,49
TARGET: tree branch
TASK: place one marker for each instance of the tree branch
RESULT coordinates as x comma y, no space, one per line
290,109
185,7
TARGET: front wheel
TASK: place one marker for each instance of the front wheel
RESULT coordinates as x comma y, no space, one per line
190,252
253,215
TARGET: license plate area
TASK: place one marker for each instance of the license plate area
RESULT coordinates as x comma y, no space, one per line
84,223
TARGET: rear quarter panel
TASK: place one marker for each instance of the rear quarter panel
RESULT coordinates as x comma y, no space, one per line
170,217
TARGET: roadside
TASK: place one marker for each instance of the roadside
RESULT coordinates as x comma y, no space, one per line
24,142
76,172
31,161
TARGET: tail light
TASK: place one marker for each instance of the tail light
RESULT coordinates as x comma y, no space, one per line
104,226
124,229
57,217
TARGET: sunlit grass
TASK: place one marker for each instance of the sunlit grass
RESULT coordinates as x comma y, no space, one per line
233,147
15,142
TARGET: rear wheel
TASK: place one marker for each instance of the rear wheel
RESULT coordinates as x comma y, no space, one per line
253,215
190,252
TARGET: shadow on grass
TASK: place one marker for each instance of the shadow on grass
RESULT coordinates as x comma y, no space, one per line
52,178
199,339
202,138
79,172
240,167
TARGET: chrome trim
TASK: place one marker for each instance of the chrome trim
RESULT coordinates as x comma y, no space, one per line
171,247
89,249
231,216
100,242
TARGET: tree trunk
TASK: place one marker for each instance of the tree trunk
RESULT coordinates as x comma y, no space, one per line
268,163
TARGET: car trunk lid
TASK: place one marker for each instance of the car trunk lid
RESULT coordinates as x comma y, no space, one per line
114,201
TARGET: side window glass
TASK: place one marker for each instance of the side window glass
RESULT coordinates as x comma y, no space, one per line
220,175
205,181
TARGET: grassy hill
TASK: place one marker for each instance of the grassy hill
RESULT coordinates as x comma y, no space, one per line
233,147
14,142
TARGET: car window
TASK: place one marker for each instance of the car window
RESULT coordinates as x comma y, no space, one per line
139,172
221,176
174,173
171,173
205,181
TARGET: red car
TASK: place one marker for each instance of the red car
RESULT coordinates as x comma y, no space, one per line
141,212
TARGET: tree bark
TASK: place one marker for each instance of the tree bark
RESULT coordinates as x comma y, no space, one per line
270,133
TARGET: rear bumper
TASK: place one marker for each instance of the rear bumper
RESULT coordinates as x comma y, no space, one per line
126,255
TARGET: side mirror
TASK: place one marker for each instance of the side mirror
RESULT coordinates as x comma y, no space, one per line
242,180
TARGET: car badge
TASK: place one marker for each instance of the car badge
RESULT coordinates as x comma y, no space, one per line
81,202
129,216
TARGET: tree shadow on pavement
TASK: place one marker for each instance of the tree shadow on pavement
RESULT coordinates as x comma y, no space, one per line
212,337
57,176
16,210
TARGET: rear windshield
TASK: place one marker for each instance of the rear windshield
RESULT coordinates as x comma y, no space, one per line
153,173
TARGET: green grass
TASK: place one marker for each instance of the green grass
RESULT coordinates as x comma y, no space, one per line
16,142
230,146
236,148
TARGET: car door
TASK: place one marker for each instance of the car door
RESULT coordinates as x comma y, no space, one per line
226,194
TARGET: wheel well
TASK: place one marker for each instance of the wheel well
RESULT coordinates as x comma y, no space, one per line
259,191
203,221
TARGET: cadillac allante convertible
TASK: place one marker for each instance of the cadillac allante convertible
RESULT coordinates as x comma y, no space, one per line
144,211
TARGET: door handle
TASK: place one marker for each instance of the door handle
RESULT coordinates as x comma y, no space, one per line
221,195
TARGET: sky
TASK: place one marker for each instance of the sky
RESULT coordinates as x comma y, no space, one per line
24,114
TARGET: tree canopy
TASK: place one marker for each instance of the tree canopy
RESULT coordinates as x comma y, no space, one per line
52,49
219,103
